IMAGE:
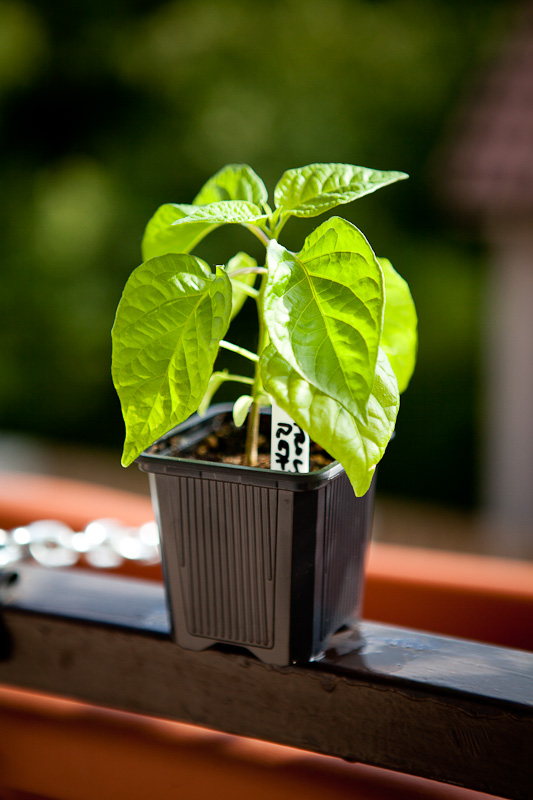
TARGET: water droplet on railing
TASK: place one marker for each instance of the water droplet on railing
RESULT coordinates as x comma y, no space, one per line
21,535
131,546
105,543
99,530
51,543
10,551
149,533
103,556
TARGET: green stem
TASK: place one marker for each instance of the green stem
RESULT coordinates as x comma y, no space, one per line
245,289
252,430
261,235
239,379
247,270
242,351
277,223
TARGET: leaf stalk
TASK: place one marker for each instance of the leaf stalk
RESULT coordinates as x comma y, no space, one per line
260,234
242,351
252,430
248,270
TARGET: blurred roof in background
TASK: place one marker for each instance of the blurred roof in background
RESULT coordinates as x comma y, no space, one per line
489,169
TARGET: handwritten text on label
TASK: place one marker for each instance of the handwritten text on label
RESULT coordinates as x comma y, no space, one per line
289,446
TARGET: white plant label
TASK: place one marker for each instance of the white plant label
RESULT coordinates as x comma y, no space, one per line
289,444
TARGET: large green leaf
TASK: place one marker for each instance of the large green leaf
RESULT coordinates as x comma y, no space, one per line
160,237
358,441
399,337
215,382
178,228
233,182
171,317
225,211
309,191
241,284
323,309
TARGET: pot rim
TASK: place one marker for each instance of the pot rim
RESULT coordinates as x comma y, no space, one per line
233,473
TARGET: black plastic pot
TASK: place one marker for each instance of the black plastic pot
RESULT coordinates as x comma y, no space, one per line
262,559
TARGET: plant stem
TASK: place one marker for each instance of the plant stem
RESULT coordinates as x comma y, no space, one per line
261,235
277,222
247,270
252,436
239,379
242,351
247,290
252,430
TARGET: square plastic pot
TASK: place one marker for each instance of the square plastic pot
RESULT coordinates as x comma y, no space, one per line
262,559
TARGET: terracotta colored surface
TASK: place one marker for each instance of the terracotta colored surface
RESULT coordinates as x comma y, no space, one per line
67,750
25,498
476,597
51,748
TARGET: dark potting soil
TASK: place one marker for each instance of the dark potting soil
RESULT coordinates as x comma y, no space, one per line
226,445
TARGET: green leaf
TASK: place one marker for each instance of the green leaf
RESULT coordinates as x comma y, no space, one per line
241,284
358,441
169,322
399,336
221,213
309,191
178,228
323,309
233,182
215,382
241,408
160,237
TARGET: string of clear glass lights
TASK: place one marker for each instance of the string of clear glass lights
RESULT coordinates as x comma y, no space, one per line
103,543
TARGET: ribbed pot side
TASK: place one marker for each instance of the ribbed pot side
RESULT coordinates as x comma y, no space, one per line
252,562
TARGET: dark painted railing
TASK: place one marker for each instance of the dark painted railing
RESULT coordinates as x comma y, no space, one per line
451,710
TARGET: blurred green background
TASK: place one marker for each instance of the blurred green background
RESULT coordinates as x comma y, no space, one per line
109,109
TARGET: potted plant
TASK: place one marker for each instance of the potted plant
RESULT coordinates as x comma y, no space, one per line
267,559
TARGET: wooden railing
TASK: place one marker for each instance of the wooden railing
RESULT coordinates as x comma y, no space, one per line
445,709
